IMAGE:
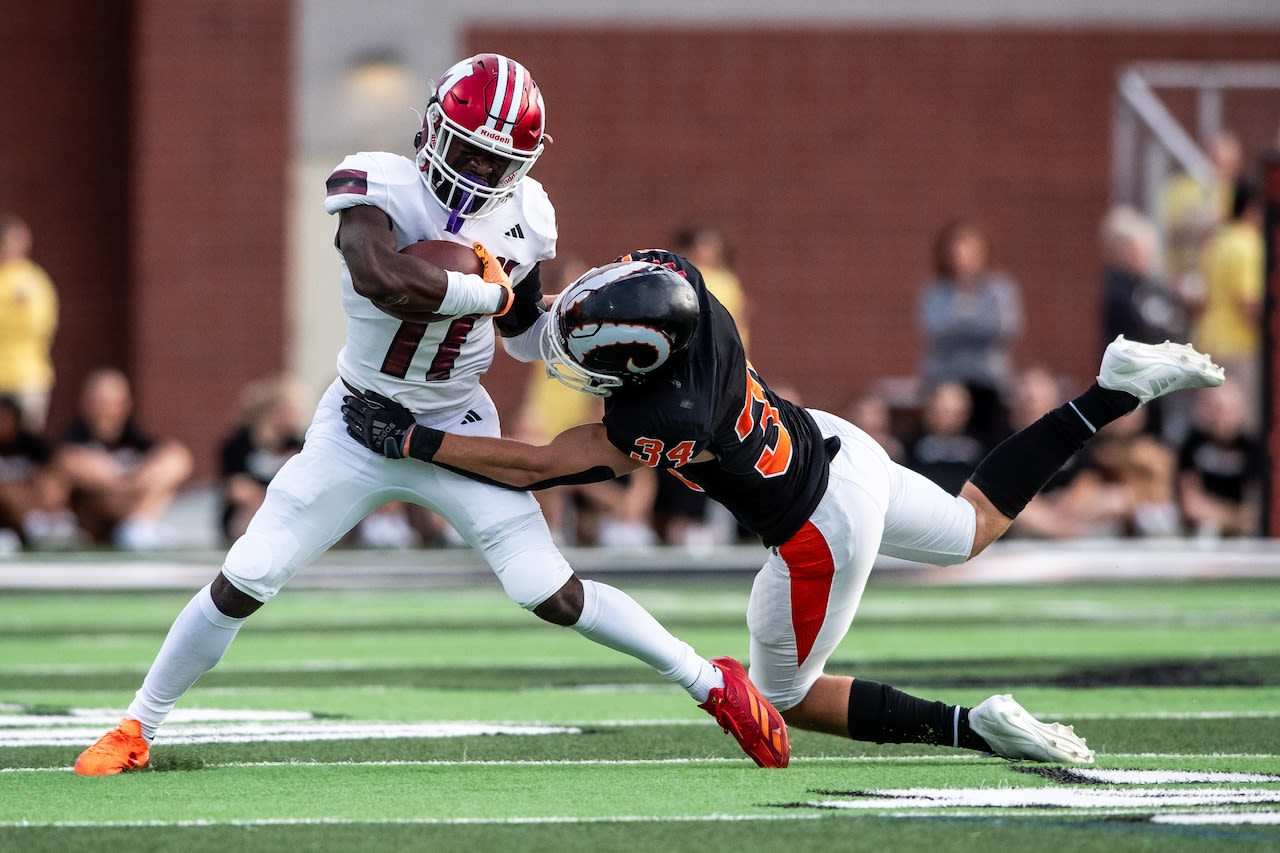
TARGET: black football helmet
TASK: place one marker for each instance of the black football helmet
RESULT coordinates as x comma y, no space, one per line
617,324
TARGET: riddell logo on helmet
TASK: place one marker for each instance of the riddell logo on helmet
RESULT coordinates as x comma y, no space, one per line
493,134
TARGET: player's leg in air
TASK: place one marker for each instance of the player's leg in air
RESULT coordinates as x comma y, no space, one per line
796,624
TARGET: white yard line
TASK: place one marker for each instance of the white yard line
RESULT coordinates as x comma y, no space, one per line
411,821
317,730
796,761
12,716
1067,798
1218,818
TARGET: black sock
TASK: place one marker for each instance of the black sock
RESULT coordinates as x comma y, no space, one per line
1017,469
1100,406
884,714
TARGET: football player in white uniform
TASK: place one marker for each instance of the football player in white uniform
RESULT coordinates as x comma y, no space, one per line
422,336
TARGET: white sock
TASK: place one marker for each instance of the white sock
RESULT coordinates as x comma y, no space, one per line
200,636
612,618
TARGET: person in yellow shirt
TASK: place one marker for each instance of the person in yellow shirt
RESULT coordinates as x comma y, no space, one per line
708,249
614,513
1191,211
1230,325
28,318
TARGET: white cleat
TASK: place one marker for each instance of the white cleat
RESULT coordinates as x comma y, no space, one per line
1148,371
1013,733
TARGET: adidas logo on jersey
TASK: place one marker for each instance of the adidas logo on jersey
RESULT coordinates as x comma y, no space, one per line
471,417
516,232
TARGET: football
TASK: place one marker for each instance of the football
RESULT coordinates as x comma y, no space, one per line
446,255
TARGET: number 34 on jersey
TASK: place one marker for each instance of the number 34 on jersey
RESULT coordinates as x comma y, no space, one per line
758,428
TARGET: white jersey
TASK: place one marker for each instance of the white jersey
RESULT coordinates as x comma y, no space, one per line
432,369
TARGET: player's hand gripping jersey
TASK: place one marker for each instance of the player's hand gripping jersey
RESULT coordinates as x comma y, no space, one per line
433,368
771,464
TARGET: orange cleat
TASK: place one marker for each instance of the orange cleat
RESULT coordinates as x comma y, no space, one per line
742,712
122,748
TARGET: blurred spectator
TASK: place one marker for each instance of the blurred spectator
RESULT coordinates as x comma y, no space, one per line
1230,327
28,318
1191,212
870,413
1124,455
614,513
394,526
549,407
1137,303
708,248
944,451
269,431
969,316
1076,501
122,479
681,515
33,499
1218,467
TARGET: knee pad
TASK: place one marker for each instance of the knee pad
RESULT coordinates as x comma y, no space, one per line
523,556
255,567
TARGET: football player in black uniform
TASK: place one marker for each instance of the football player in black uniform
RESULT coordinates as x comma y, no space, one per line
644,333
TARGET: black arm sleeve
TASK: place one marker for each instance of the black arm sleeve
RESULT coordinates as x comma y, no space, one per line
598,474
425,441
525,308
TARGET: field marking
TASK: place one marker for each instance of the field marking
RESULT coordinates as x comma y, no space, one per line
405,821
641,762
318,730
1172,715
1211,818
109,717
1165,777
1072,798
538,762
16,717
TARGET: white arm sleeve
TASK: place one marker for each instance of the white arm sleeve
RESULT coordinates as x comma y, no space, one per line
524,346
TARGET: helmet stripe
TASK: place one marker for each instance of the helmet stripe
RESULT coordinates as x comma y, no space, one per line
516,93
494,118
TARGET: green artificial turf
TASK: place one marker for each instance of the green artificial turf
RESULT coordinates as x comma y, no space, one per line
1157,676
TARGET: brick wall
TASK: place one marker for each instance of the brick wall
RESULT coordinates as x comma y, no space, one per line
833,156
64,168
148,147
212,145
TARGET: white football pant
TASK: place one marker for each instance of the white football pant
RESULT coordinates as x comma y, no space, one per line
803,600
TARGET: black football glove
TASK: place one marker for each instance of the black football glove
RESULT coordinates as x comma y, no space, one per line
378,422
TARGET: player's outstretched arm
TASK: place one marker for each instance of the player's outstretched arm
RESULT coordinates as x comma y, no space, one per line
582,454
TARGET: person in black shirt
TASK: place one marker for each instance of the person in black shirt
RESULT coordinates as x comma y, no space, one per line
268,434
122,479
1218,467
944,450
823,497
32,496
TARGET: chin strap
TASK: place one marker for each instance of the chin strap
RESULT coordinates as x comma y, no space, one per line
463,207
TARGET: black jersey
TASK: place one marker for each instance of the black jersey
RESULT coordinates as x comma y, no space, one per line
771,465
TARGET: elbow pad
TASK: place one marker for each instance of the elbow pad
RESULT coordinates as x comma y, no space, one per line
526,345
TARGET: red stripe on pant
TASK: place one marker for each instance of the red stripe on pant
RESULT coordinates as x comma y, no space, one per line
811,569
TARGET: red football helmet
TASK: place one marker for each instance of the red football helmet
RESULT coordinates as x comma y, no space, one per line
488,102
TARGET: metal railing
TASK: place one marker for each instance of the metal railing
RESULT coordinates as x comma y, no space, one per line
1147,140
